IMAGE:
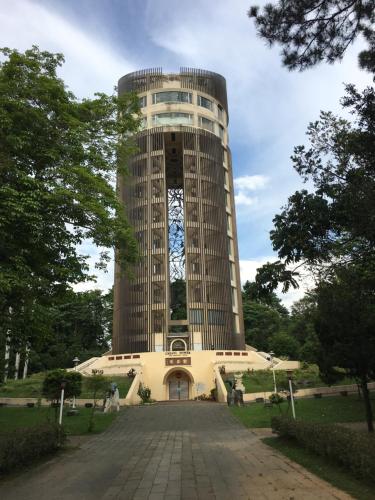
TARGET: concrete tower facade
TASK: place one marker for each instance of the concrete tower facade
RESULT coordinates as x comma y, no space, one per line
185,293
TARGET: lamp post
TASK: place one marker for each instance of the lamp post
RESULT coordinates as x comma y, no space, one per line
273,372
289,374
75,362
63,384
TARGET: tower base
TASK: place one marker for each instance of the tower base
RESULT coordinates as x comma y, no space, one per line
180,375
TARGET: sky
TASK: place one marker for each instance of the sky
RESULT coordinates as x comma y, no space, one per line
269,107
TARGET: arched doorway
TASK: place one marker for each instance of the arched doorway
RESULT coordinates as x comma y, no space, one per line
178,345
178,384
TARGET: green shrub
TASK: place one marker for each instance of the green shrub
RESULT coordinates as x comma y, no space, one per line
23,446
144,393
276,399
352,449
52,384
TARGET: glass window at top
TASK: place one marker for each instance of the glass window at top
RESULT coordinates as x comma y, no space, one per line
172,119
143,101
171,96
220,113
206,123
205,103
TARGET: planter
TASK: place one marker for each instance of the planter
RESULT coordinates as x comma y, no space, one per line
72,413
30,405
259,400
344,393
88,405
318,395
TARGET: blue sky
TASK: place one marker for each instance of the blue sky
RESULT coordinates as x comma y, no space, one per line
269,107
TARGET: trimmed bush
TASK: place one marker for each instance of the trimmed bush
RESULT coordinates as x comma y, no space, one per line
23,446
352,449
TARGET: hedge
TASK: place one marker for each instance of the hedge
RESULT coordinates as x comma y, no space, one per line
23,446
352,449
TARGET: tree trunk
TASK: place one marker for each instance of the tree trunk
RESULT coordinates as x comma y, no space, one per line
366,399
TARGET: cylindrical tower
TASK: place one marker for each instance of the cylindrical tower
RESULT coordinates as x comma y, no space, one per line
185,293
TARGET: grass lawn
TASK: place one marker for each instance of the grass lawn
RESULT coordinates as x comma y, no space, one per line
262,380
328,409
31,387
323,468
14,418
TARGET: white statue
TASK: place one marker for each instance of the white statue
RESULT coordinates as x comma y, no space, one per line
113,399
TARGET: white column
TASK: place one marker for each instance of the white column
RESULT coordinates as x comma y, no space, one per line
17,365
7,355
25,366
61,406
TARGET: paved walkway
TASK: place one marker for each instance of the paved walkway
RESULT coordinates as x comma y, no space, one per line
174,451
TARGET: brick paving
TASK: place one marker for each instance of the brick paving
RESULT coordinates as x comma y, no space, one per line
173,451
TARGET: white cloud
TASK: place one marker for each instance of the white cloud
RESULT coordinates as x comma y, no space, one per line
251,182
91,64
269,106
243,199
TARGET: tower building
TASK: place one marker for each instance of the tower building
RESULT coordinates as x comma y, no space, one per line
184,294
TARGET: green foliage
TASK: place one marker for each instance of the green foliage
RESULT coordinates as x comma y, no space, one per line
315,31
13,418
251,293
334,225
270,327
24,446
58,162
78,324
144,393
329,409
332,232
52,384
178,299
304,378
276,399
96,384
31,387
345,327
261,323
283,344
352,449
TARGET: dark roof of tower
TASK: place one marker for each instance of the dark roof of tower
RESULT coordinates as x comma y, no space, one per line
201,80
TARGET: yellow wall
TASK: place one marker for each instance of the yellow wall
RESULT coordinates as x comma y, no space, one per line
202,367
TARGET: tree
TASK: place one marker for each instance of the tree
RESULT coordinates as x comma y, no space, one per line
251,293
317,30
97,384
51,388
334,225
261,323
345,327
283,344
58,161
178,299
264,316
79,324
302,327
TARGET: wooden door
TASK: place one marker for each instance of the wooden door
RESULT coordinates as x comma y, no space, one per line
178,388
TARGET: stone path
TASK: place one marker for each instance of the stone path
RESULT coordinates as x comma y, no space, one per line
174,451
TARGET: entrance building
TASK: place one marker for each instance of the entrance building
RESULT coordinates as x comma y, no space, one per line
181,375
